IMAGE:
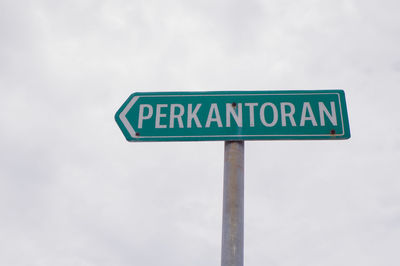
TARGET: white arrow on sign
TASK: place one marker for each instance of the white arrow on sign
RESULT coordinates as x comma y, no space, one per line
124,120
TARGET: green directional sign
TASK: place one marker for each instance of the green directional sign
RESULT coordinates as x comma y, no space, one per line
234,115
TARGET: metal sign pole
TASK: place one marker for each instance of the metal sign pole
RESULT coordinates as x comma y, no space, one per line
232,218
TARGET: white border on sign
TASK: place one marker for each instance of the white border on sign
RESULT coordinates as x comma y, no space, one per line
132,132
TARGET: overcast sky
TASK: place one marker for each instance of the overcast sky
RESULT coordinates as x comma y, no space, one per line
73,191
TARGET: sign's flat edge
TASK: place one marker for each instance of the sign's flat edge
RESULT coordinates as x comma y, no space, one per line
193,93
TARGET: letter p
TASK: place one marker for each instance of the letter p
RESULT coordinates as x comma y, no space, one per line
141,114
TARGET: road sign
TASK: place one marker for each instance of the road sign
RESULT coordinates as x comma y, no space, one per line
234,115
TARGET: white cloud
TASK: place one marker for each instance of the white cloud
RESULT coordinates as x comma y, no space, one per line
73,191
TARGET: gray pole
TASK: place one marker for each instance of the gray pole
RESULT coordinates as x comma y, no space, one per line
232,217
